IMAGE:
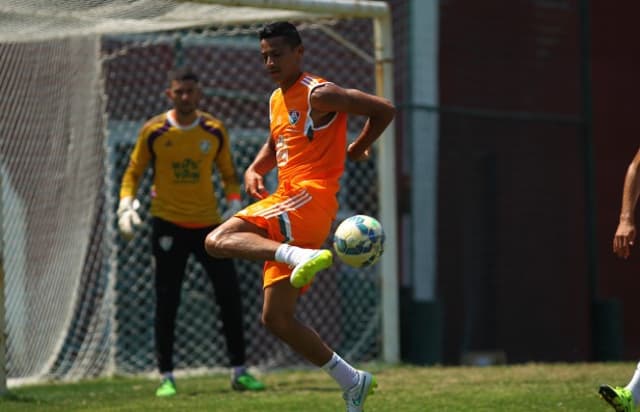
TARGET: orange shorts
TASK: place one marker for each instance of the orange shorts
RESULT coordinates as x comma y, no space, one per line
298,217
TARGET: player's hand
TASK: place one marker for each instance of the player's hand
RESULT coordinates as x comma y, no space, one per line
128,218
356,155
233,207
254,184
624,239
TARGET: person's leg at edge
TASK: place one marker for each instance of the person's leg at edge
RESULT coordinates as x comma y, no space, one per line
623,399
634,385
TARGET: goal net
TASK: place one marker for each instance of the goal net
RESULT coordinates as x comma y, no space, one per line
78,79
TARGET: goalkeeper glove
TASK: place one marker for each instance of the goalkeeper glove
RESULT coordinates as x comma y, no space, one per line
128,218
233,207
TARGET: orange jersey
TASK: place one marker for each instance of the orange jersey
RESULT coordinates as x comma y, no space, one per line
307,156
310,163
183,160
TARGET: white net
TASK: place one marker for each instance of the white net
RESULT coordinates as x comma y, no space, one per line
79,78
52,166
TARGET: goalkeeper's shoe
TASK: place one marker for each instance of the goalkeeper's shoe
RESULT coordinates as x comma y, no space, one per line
621,399
166,388
304,272
246,382
354,398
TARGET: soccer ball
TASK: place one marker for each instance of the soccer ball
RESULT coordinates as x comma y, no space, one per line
359,241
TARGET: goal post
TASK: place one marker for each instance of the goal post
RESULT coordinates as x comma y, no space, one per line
388,195
3,347
87,75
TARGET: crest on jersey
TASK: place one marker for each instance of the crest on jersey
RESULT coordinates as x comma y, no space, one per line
294,116
165,243
205,146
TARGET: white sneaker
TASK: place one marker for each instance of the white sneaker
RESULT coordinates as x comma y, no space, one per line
355,397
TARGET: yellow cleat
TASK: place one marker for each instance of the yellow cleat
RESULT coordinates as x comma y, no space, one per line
304,272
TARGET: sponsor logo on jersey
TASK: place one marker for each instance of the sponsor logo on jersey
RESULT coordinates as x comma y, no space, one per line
186,171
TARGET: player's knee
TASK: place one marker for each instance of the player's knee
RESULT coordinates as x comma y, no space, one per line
214,244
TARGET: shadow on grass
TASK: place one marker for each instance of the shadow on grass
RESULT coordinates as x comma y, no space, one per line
12,397
279,387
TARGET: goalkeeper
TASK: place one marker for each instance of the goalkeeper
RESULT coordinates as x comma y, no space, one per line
183,146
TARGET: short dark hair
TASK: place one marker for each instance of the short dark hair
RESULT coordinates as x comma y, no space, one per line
182,74
281,29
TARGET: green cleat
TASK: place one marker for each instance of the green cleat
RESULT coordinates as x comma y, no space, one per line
246,382
354,398
619,398
304,272
166,388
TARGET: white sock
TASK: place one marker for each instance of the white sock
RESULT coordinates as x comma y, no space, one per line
292,255
343,373
634,385
167,375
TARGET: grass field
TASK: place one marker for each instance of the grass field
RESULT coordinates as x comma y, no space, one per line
520,388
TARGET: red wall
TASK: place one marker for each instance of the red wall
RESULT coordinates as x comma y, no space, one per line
512,259
616,108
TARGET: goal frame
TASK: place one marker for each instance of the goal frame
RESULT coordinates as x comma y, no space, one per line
380,14
3,346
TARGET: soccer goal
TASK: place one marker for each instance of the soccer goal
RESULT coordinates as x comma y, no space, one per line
78,80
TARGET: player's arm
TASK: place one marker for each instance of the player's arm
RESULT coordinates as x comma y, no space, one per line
263,163
626,231
379,111
227,169
229,176
128,218
138,162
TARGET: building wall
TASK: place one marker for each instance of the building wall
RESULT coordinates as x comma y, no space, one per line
616,133
512,259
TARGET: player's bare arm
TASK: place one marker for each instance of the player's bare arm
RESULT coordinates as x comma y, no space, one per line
626,231
380,112
264,162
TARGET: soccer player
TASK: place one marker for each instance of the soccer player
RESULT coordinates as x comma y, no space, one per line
183,146
308,146
626,399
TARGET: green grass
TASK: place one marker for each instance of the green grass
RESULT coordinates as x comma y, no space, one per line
520,388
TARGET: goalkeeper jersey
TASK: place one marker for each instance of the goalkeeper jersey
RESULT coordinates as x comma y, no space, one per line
183,159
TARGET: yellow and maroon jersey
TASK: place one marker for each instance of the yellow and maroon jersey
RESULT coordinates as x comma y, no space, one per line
183,159
307,156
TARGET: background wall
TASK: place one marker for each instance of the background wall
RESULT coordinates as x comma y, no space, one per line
616,135
536,131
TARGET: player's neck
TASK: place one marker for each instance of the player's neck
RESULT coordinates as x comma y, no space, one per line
183,119
287,83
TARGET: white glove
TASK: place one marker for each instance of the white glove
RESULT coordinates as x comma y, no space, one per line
233,207
128,218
